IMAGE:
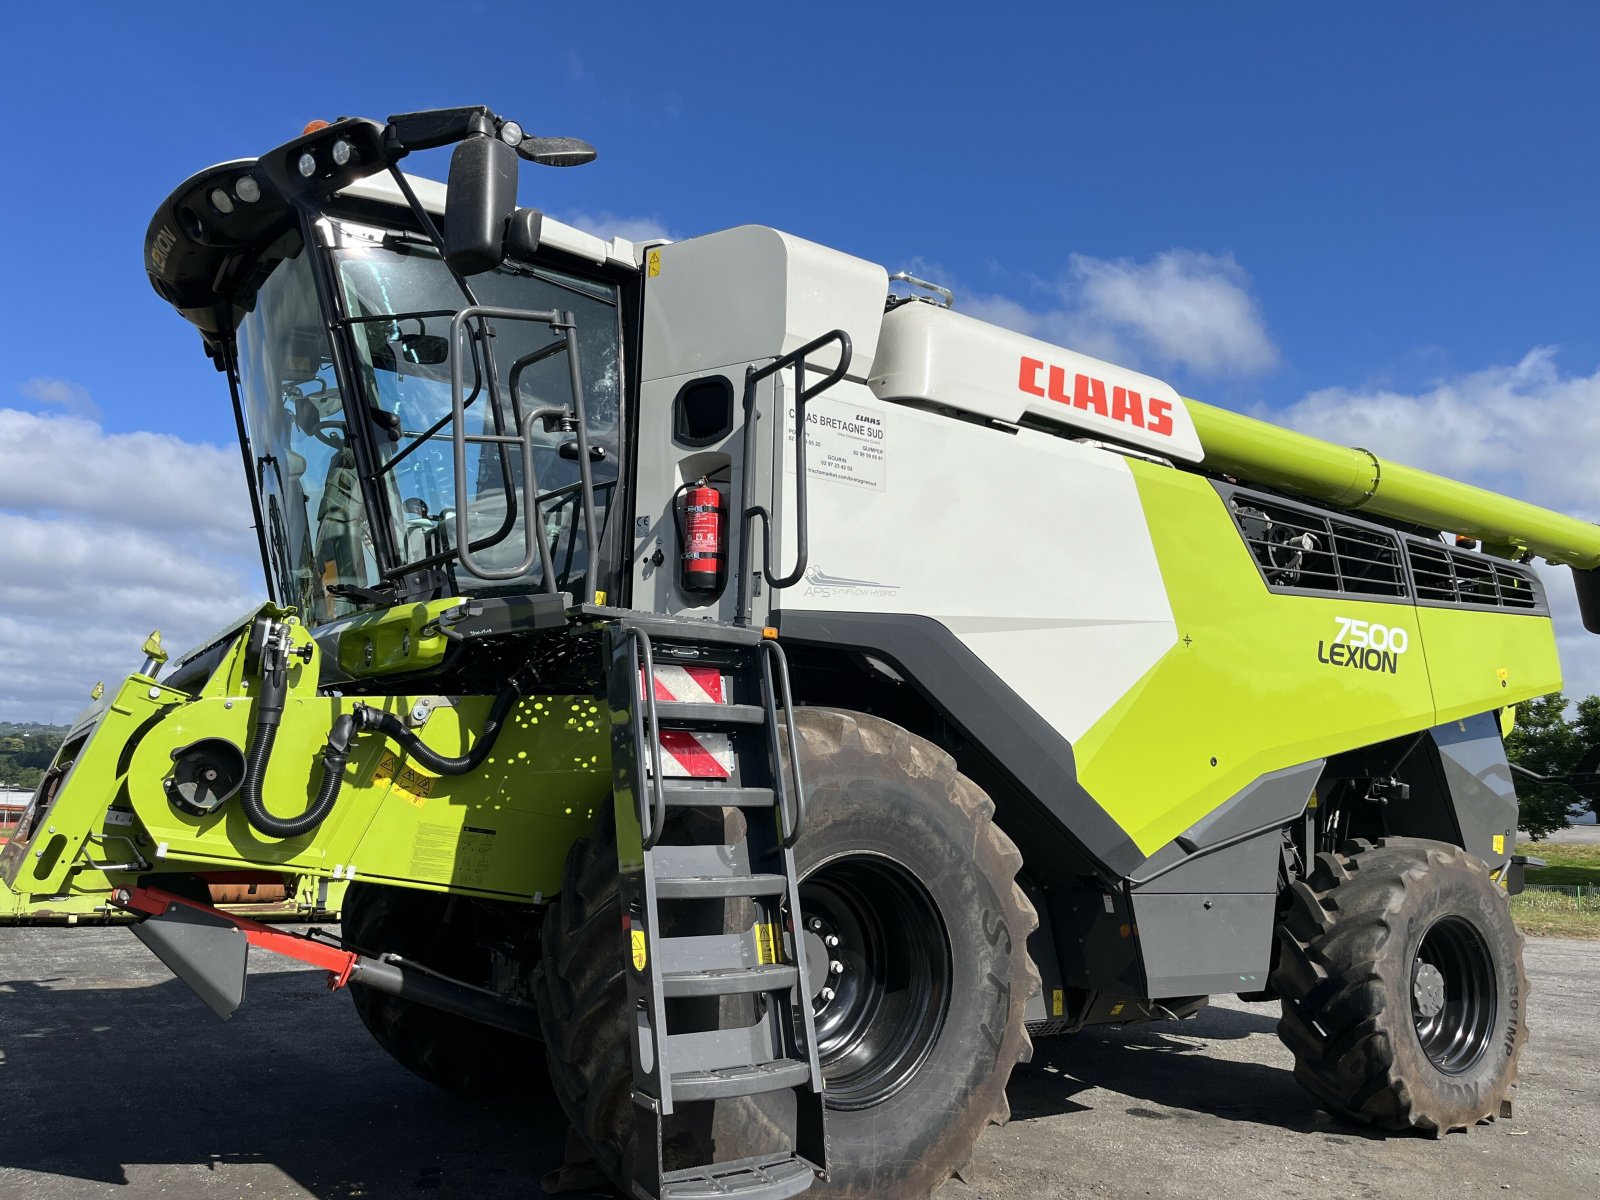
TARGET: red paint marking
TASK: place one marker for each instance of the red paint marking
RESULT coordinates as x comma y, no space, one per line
691,755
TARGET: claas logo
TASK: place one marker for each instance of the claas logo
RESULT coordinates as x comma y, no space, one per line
1090,394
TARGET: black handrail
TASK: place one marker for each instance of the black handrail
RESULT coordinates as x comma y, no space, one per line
652,819
752,511
775,669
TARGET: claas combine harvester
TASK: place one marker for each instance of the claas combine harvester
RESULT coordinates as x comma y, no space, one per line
748,707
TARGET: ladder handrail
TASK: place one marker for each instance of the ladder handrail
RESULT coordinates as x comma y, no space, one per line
652,819
751,511
772,655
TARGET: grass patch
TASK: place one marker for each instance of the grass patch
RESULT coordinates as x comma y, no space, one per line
1560,914
1556,914
1563,925
1569,864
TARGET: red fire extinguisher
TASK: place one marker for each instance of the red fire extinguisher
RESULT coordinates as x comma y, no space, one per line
702,521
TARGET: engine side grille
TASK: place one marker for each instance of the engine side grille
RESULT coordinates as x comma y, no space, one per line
1305,550
1447,576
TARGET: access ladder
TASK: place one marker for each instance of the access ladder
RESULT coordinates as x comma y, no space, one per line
717,979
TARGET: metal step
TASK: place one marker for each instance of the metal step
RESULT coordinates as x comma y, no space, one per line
718,797
672,713
708,887
748,1178
737,981
740,1081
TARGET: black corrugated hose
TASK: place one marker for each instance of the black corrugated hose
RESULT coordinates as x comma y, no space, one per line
269,713
394,728
336,753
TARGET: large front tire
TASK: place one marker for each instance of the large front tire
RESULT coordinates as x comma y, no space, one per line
901,864
1404,996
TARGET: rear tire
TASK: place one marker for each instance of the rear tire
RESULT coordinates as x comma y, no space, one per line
899,856
1404,996
452,1052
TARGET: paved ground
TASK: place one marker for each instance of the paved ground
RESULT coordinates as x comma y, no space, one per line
1582,835
115,1082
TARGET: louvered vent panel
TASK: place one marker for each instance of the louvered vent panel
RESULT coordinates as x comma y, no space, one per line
1447,576
1307,550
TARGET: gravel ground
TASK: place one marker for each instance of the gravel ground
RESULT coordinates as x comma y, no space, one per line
115,1081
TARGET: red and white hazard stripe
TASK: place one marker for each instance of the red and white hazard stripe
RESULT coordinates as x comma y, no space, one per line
685,755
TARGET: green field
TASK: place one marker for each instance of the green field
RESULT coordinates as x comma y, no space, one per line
1558,914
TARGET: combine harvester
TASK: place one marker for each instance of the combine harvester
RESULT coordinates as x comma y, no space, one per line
755,706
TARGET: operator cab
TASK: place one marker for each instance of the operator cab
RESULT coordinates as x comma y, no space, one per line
423,413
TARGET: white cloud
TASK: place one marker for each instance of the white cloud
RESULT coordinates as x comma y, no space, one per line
61,464
104,537
1527,430
1182,308
609,225
61,393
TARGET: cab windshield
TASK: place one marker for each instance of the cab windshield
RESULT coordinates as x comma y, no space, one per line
398,299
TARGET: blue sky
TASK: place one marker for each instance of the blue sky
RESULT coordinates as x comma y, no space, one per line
1375,221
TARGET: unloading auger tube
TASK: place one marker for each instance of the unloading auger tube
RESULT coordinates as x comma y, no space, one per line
336,753
1354,478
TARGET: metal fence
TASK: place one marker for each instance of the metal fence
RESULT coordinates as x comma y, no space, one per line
1560,897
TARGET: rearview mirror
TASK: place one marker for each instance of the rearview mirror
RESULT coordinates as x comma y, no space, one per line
424,349
481,198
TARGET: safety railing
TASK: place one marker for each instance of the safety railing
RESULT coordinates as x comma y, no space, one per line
750,510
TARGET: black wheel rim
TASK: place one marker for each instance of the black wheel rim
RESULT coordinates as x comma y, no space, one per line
879,958
1454,996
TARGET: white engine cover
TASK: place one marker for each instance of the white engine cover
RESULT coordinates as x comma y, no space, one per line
1030,548
933,354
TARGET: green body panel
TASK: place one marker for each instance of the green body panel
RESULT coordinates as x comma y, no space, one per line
1485,660
502,830
1248,689
1351,478
405,638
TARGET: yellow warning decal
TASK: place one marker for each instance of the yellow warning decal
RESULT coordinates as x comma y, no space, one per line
1058,1002
653,264
640,956
408,782
1116,1009
1499,843
766,944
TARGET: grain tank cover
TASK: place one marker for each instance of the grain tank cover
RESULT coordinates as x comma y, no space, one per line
933,354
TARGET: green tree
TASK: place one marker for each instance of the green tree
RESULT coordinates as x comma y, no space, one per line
24,758
1549,740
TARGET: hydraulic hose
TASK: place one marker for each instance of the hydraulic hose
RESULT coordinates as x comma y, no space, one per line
336,753
395,730
269,714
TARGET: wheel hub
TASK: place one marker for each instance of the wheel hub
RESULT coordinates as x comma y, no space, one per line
1455,995
1427,989
879,958
826,959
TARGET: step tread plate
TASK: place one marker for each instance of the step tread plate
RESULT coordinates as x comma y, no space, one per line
750,1179
706,887
674,713
720,797
751,1080
729,981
